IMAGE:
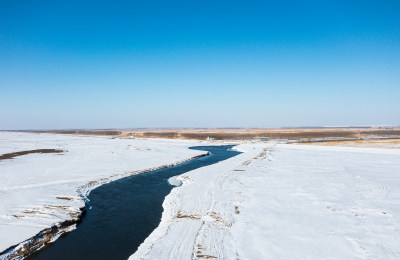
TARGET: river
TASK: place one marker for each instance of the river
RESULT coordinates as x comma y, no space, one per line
122,214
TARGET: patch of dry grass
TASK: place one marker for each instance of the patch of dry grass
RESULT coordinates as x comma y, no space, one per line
377,143
247,133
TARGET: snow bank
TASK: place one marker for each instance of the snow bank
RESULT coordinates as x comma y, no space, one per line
174,181
284,202
39,190
196,209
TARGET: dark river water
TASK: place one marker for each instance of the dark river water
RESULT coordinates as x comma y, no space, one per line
123,213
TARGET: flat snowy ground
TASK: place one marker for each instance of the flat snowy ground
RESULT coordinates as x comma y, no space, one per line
284,202
270,202
39,190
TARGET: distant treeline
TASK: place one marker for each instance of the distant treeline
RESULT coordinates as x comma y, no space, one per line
80,132
294,134
385,132
161,134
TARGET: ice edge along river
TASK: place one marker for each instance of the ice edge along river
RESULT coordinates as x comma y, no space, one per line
125,212
284,202
40,190
188,208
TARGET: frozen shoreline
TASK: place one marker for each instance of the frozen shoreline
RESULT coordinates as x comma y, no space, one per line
284,201
272,201
38,212
188,207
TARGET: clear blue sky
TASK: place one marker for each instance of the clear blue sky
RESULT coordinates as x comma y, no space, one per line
127,64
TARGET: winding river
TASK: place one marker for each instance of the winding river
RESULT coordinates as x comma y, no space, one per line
123,213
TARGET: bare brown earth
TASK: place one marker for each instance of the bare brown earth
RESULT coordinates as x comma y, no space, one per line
291,134
13,155
273,134
372,143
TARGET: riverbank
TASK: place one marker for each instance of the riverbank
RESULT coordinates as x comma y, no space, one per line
123,213
46,192
284,201
272,201
197,205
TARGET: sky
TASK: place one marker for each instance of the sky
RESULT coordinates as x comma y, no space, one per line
155,64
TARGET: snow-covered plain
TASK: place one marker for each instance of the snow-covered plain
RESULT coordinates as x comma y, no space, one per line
284,202
40,190
273,201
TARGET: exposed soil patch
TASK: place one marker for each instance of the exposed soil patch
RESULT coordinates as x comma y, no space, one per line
370,143
237,210
207,256
180,215
64,198
13,155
